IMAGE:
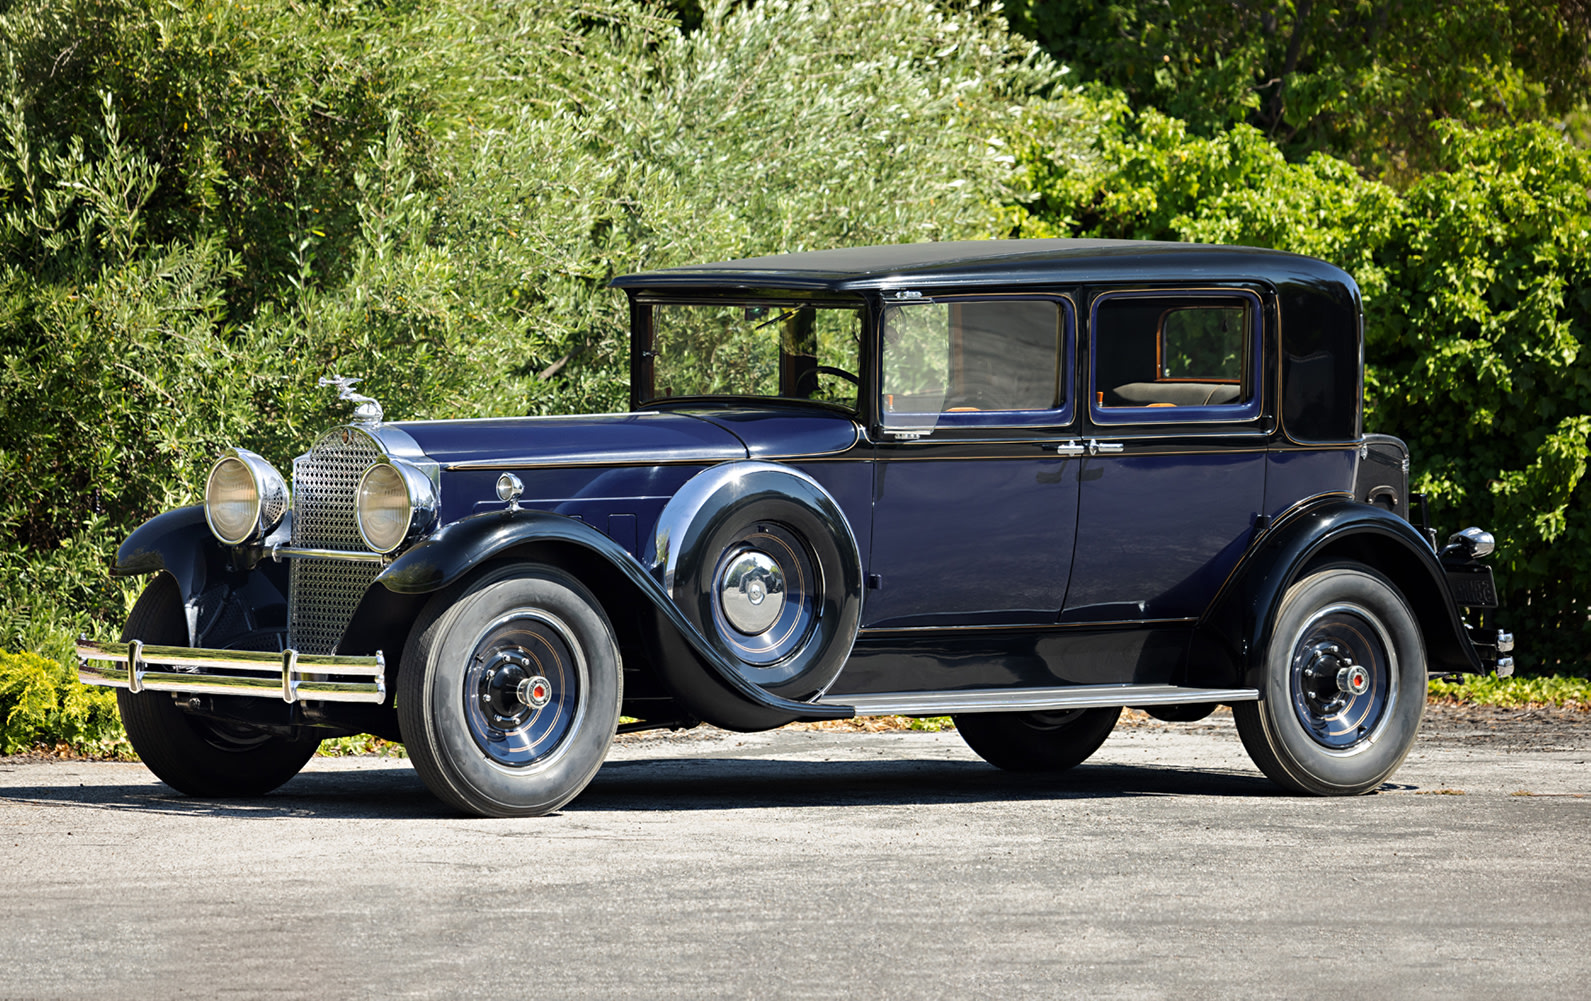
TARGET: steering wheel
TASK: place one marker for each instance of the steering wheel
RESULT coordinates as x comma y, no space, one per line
808,384
840,372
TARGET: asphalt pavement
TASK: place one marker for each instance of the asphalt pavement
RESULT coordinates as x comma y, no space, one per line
813,864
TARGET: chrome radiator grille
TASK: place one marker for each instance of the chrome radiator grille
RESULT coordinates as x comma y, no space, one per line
322,594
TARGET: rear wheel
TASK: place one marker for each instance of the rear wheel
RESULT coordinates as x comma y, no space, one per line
509,692
193,755
1344,686
1037,741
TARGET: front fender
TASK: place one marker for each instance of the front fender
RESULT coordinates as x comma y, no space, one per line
179,543
1233,635
700,678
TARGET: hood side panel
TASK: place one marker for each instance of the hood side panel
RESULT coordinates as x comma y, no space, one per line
774,433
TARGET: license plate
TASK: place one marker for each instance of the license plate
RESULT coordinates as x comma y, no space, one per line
1472,587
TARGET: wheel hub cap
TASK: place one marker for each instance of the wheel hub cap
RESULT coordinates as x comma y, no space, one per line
534,692
522,688
752,591
1353,679
1343,677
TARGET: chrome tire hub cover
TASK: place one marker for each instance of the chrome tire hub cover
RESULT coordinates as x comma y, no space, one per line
1343,677
751,591
766,594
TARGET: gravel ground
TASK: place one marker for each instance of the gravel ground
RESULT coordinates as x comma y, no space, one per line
814,864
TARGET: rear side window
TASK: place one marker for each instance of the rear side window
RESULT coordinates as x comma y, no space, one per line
1161,357
991,361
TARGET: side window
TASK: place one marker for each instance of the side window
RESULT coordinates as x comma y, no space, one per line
991,362
1189,356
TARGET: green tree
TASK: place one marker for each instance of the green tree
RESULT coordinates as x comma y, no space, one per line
1477,290
206,205
1363,80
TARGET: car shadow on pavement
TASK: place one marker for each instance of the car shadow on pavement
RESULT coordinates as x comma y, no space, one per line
381,792
395,791
753,783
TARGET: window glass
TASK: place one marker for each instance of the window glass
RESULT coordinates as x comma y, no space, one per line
1202,343
1174,352
995,356
759,349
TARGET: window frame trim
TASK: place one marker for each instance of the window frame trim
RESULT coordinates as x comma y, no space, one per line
988,420
1220,413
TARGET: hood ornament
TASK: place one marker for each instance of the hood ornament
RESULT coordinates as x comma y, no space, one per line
366,409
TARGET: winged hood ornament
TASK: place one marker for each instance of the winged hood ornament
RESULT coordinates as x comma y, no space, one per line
366,409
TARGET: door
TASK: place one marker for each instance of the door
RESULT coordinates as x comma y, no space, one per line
974,507
1176,433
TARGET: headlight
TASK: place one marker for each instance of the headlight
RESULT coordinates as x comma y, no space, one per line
396,501
244,498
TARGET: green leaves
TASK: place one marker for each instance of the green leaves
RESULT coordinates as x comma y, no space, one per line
40,704
1362,80
206,206
1477,314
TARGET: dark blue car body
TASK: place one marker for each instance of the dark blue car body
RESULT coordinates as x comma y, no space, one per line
1121,470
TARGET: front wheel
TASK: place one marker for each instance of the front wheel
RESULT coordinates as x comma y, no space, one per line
196,756
1344,686
509,691
1037,741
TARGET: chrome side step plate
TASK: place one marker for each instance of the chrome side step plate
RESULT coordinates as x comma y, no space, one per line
999,700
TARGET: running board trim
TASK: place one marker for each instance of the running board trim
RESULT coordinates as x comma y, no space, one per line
996,700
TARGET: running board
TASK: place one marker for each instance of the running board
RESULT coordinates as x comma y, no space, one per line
999,700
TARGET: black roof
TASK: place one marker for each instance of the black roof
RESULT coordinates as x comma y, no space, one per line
993,262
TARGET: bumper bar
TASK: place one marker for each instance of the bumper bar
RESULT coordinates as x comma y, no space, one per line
289,676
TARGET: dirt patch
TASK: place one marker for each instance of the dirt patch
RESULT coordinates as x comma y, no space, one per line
1541,728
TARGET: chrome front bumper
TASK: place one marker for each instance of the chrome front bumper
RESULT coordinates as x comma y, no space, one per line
288,676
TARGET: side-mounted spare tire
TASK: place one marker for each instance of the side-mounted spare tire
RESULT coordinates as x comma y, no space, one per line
761,560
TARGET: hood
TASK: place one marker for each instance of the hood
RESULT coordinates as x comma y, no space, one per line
773,432
620,439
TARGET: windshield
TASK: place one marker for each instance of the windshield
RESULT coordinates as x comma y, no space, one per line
786,350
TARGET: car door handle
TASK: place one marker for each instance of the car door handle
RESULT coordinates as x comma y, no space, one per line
1071,448
1096,447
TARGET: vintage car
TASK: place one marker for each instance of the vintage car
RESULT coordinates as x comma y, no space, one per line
1023,483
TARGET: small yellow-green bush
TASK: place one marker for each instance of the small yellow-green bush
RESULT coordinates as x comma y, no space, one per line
42,704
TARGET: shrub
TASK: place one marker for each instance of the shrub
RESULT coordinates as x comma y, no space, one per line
42,704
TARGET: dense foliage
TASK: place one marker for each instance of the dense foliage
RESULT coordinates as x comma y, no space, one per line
43,703
205,206
1362,80
1477,285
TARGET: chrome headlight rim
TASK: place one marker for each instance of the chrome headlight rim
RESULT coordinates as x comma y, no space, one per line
419,493
267,509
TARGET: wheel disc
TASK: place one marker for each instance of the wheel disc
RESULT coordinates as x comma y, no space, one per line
522,689
766,595
1343,677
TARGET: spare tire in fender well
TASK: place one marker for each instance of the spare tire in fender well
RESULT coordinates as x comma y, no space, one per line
760,558
688,665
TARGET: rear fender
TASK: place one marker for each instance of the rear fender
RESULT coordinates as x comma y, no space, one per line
1231,639
685,662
